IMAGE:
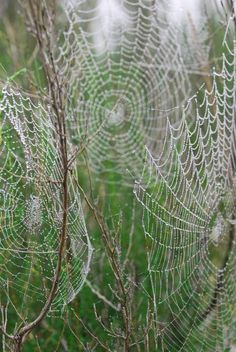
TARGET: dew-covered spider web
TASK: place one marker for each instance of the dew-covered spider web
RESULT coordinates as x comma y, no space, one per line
31,209
128,72
188,197
127,69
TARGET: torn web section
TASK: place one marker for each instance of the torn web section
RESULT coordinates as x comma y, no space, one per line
122,85
31,209
188,200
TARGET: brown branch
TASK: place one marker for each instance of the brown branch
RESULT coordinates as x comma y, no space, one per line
123,297
38,14
92,334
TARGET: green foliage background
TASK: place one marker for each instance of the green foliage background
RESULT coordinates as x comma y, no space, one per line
19,62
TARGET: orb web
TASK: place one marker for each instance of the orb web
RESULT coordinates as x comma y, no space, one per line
188,199
121,58
31,208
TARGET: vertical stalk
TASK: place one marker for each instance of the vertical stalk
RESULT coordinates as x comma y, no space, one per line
39,19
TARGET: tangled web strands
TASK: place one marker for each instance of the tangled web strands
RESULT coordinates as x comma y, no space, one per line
125,71
188,196
31,208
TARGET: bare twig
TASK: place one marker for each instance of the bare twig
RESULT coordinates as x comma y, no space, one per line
102,297
116,268
41,24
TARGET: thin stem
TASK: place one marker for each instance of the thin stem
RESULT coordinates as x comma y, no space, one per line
37,13
125,310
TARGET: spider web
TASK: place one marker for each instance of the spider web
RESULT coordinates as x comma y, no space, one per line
188,197
126,73
31,208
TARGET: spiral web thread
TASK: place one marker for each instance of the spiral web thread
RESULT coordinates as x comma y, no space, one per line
123,61
31,208
188,197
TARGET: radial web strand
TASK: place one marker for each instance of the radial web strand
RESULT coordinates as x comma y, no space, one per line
31,208
124,65
188,198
